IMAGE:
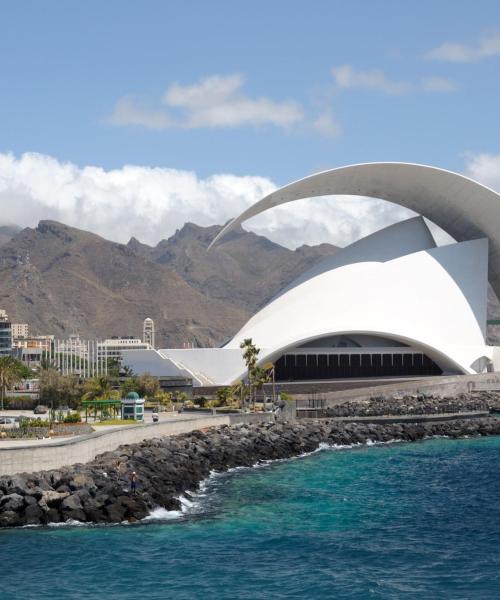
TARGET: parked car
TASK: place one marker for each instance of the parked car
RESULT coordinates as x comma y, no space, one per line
40,409
8,423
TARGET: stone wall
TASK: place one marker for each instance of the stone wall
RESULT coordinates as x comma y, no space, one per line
55,454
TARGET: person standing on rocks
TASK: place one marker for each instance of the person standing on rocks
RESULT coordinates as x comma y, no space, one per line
133,482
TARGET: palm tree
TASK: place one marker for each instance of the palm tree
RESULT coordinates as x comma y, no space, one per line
224,396
241,391
261,376
10,374
250,356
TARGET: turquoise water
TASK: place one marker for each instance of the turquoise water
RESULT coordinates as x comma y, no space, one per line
395,521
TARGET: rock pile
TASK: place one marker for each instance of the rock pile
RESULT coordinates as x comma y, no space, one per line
417,404
99,491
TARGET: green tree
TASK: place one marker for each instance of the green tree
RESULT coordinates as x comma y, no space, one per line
224,397
131,384
164,399
11,373
148,386
181,397
57,389
97,387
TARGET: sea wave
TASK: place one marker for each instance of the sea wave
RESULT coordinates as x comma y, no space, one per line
162,514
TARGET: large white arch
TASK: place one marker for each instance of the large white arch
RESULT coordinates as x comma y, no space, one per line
461,206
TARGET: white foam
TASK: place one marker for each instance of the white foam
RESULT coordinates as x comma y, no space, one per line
162,514
186,504
70,523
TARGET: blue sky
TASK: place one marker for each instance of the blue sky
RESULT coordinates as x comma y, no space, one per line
271,90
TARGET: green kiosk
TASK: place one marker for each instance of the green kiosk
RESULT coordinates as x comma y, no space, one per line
133,407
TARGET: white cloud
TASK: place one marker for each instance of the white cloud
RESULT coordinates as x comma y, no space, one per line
217,101
346,77
128,111
326,124
484,168
438,84
487,46
151,203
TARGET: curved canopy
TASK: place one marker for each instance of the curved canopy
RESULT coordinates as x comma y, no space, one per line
462,207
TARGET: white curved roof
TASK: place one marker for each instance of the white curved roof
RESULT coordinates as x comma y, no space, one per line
462,207
433,299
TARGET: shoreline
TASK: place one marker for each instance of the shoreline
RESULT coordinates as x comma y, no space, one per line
99,491
190,498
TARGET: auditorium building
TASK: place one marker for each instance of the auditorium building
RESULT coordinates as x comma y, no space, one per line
392,304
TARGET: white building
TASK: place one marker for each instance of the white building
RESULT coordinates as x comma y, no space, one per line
112,348
148,335
391,304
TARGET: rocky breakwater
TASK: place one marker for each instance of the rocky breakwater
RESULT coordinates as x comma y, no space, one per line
417,404
99,491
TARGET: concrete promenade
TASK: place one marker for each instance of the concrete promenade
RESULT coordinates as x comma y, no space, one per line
54,454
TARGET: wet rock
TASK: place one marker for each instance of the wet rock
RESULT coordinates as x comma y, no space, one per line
72,502
51,499
34,515
10,518
12,502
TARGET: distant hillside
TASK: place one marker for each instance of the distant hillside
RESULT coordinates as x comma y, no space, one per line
7,232
62,280
244,269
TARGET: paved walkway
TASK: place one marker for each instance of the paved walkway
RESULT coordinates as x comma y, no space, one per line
165,417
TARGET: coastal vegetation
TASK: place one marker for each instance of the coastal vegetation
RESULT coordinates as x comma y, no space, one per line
58,390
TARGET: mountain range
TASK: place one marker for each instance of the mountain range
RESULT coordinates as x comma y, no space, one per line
62,280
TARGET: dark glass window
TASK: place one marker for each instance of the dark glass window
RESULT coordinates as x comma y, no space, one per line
309,367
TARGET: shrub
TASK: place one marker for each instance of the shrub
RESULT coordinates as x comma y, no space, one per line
73,417
34,422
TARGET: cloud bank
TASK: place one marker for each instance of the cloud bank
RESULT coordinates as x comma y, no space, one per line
151,203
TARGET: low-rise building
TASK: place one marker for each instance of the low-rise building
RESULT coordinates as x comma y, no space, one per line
20,330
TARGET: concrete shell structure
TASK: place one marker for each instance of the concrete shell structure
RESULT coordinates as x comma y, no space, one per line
392,294
461,206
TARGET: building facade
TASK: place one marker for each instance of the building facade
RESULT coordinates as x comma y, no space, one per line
20,330
5,334
392,304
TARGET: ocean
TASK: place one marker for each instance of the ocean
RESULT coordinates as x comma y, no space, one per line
390,521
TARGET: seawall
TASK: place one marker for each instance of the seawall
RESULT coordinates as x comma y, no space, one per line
85,448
